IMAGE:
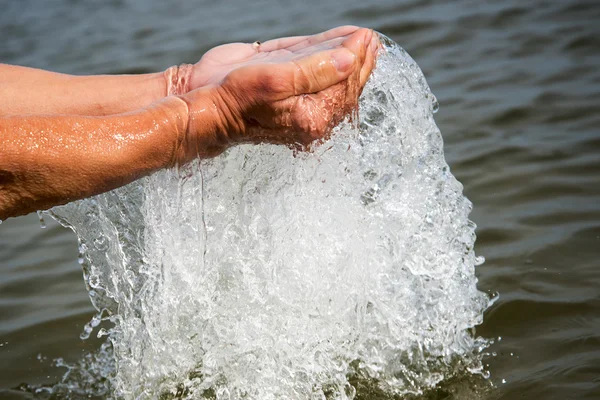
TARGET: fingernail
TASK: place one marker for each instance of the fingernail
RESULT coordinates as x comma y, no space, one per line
343,59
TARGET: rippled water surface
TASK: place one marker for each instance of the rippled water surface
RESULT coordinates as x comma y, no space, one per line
518,84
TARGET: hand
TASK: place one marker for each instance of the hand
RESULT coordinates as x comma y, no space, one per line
221,60
289,91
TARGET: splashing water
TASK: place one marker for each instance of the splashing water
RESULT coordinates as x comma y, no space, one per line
264,274
41,218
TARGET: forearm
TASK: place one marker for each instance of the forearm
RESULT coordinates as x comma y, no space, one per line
33,91
51,160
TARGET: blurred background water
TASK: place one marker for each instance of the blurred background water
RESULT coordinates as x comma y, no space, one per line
518,84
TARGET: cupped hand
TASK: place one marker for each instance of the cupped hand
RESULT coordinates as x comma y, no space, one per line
219,61
289,91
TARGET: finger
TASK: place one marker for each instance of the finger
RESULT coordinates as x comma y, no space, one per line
326,45
371,57
298,120
332,34
281,43
319,71
360,43
311,74
325,36
296,43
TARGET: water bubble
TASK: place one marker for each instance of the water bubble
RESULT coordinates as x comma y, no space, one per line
41,218
101,243
94,281
89,327
435,105
87,330
82,249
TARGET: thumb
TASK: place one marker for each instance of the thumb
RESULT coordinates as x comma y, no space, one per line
309,74
319,71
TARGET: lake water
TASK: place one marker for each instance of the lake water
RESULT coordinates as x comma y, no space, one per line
518,86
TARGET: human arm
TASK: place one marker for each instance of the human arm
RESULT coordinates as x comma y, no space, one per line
25,90
53,159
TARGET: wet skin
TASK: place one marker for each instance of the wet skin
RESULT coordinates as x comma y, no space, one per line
291,91
307,114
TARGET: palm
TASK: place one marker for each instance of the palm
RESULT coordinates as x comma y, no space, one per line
218,62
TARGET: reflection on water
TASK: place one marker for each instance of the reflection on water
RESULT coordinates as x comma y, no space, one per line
516,83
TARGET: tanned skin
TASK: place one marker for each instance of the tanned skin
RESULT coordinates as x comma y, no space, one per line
64,138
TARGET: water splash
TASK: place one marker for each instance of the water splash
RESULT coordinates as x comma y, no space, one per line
435,106
264,274
41,218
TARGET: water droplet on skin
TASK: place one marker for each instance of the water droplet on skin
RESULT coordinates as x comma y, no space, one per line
41,218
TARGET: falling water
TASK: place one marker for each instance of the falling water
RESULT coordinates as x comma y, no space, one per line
264,274
41,218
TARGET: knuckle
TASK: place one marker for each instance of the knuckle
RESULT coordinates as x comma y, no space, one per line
272,85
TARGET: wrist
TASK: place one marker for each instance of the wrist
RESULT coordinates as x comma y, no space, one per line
178,79
169,117
208,130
